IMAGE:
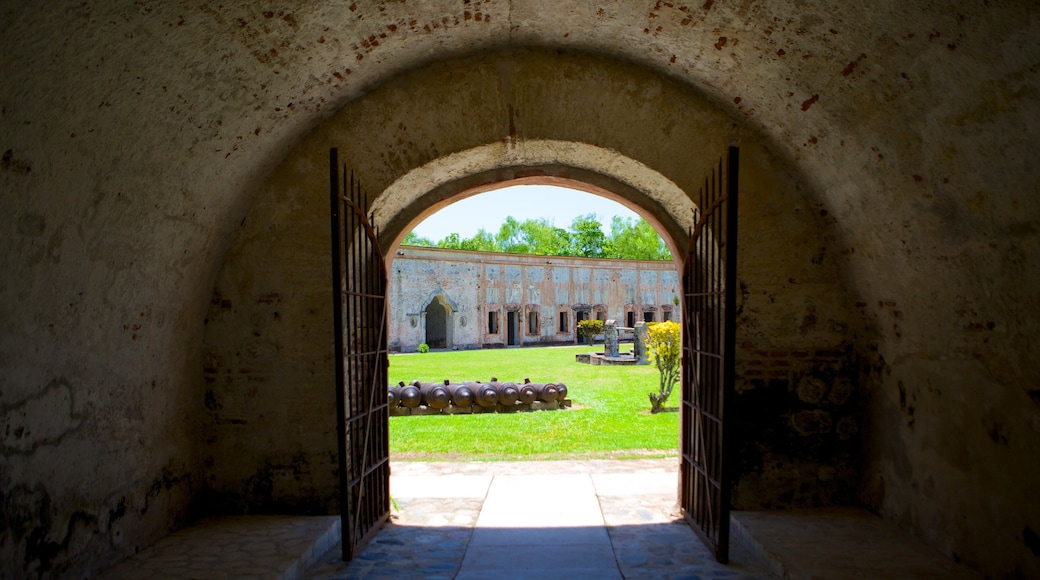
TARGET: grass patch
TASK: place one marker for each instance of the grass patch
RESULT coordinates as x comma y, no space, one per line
611,418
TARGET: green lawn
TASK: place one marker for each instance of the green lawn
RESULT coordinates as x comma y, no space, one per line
610,418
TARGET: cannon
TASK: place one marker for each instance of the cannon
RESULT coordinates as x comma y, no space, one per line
508,393
484,394
544,391
561,390
548,392
461,395
434,395
474,396
410,396
526,393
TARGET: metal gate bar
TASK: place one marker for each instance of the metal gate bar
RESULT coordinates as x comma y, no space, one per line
360,342
709,329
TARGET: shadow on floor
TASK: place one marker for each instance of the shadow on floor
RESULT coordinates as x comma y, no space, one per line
657,550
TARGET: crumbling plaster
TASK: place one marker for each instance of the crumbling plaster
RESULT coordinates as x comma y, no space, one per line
135,137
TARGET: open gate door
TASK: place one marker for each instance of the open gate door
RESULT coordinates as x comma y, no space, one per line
359,310
709,321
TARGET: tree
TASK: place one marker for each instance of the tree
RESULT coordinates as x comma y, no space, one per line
545,239
628,240
480,242
414,240
511,237
588,240
635,240
589,329
664,345
452,241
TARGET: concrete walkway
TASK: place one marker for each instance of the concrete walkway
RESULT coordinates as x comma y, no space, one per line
516,532
540,520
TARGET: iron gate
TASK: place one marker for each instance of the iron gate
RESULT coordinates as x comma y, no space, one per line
359,309
709,320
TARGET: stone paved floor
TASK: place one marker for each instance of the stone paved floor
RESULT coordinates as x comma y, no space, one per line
839,542
275,547
440,507
455,522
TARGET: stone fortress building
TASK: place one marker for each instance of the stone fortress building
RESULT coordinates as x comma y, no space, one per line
166,348
452,299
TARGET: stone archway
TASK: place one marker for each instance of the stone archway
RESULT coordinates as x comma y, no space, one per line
418,143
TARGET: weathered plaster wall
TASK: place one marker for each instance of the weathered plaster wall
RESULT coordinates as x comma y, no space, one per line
135,136
475,284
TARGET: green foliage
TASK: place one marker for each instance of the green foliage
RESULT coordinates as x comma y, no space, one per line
480,242
628,239
452,242
589,239
608,420
664,345
413,240
635,240
424,348
511,237
589,329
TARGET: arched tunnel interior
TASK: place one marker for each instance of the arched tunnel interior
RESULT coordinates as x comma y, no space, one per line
166,241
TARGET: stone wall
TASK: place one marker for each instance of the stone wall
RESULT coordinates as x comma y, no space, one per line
797,427
479,287
151,151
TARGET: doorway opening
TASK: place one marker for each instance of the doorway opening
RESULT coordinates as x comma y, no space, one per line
438,323
512,329
702,506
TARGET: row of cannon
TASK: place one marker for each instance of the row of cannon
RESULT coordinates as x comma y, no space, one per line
465,394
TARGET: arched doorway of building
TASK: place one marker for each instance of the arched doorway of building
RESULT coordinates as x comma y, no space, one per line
438,323
709,285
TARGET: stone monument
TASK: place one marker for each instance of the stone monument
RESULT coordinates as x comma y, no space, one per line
639,344
610,338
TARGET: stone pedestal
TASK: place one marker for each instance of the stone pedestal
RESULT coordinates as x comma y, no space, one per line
639,344
610,338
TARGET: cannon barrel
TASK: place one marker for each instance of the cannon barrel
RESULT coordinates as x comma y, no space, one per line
508,394
435,395
410,396
546,391
461,395
484,394
393,395
527,394
561,391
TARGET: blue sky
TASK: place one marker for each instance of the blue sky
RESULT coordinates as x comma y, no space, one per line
488,210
